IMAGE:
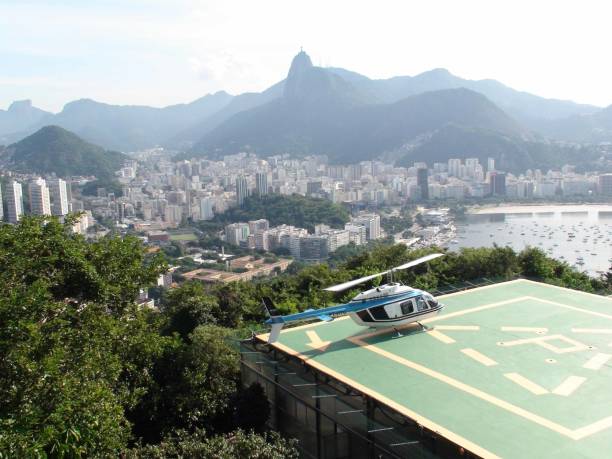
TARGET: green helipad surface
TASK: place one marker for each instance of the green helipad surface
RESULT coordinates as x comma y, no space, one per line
517,369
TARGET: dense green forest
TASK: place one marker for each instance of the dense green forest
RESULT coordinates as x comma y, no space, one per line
111,185
53,149
295,209
84,371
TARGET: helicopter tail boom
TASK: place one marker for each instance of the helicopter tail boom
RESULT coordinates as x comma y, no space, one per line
275,331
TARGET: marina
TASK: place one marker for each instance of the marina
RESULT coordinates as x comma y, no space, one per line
579,235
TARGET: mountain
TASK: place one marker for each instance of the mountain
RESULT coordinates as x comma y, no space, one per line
133,127
305,80
186,138
526,108
128,127
321,112
53,149
183,126
20,116
592,128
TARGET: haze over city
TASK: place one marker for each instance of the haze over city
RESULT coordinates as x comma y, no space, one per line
161,52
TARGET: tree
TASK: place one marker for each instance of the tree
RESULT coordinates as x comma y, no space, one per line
535,263
74,348
297,210
235,445
193,384
238,301
186,307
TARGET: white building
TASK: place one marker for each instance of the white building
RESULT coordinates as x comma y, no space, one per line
454,165
337,239
206,208
471,165
59,197
371,223
258,225
40,204
83,223
236,233
173,214
262,240
545,189
242,189
357,233
576,187
261,183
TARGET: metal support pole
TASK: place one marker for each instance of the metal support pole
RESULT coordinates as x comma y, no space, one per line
370,408
318,419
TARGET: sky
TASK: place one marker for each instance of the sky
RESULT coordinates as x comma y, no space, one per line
162,52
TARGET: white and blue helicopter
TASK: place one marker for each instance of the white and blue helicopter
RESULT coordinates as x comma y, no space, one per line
389,305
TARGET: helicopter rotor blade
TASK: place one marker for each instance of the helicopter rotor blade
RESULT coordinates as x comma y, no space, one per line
410,264
349,284
418,261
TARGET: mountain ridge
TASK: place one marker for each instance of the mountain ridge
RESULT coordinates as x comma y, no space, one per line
320,112
180,126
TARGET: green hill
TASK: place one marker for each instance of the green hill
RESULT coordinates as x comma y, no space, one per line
53,149
297,210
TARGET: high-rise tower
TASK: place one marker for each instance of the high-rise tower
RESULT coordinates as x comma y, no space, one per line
59,197
242,189
40,204
14,199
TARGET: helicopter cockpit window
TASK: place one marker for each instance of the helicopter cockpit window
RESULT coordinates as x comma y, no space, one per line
430,300
421,304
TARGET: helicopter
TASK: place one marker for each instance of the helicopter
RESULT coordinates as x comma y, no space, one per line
390,305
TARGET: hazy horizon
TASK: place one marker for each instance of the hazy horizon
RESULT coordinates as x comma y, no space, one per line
161,53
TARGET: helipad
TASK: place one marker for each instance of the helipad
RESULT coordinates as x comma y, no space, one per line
517,369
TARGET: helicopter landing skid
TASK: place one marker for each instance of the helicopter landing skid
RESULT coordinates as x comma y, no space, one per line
425,327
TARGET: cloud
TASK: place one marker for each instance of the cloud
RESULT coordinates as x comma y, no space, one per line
222,70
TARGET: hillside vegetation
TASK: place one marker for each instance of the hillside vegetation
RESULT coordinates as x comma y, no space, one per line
296,210
53,149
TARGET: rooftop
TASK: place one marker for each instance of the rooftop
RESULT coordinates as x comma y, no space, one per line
516,369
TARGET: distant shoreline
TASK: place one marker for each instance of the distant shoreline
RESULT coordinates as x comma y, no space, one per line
531,208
